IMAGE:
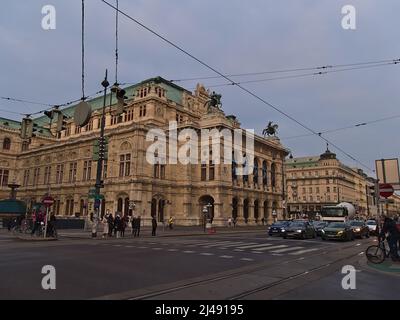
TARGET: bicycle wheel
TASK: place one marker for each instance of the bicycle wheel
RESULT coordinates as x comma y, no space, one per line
375,254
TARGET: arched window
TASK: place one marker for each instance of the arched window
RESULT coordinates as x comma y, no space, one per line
255,172
264,173
234,166
273,175
6,144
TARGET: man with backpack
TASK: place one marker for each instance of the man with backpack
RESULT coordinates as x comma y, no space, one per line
389,227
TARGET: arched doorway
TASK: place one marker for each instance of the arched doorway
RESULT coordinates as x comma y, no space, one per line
235,203
154,207
256,209
120,205
161,205
126,207
266,210
208,203
246,210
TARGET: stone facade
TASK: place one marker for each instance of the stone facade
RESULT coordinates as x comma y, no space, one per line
62,164
315,181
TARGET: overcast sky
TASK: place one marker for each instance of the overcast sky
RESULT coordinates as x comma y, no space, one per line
235,36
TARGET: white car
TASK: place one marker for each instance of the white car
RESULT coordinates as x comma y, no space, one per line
372,226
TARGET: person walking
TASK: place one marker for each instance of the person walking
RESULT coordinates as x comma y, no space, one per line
110,223
170,223
123,225
105,227
263,220
389,228
229,222
138,221
133,224
117,225
153,226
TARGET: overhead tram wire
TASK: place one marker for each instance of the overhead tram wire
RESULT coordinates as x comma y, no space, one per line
326,67
343,128
320,73
238,85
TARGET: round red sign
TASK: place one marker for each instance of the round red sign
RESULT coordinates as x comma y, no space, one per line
386,190
48,201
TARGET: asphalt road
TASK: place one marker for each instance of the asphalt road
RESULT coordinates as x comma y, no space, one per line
229,266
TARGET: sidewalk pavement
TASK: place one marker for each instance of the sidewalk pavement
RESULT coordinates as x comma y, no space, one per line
145,232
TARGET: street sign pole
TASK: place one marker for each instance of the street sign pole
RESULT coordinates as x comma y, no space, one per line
98,185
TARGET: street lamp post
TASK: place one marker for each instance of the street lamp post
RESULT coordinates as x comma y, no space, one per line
99,182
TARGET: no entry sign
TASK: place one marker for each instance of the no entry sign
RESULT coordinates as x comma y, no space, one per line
48,201
386,190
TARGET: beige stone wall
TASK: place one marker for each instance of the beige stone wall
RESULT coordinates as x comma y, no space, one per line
181,192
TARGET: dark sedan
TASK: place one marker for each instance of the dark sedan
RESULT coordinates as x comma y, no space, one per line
337,231
360,229
299,229
318,226
277,228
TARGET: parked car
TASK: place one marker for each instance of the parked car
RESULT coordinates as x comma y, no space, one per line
299,229
372,226
360,229
338,231
318,226
278,227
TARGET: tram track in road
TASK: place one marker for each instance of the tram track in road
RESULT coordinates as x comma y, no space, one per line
153,293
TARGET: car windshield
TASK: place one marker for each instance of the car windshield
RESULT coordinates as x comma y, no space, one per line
357,223
297,225
278,224
336,225
371,223
319,224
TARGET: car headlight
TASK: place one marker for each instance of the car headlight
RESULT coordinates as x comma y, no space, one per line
358,229
340,232
283,230
299,231
323,231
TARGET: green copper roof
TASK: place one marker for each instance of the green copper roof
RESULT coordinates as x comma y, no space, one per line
302,161
10,123
174,93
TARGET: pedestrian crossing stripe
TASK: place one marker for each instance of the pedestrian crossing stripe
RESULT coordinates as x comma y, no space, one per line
232,245
303,251
216,244
287,249
254,245
271,248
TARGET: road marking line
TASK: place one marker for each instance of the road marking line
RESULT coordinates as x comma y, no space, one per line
232,245
206,254
216,244
172,250
256,252
188,251
247,259
238,250
226,257
271,248
303,251
117,245
157,248
277,254
287,249
129,246
255,245
142,247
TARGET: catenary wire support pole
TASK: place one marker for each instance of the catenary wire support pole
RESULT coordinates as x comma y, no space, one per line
99,182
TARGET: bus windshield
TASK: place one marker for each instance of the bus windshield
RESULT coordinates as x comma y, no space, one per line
333,212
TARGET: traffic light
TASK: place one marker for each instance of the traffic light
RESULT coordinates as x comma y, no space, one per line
100,148
28,128
120,94
49,114
61,122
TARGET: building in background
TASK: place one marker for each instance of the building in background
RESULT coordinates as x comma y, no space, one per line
317,181
62,164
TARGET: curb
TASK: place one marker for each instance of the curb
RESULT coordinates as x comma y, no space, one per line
383,268
159,236
35,239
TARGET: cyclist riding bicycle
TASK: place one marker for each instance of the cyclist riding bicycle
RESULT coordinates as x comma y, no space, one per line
389,227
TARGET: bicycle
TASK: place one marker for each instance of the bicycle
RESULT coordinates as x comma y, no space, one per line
376,254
